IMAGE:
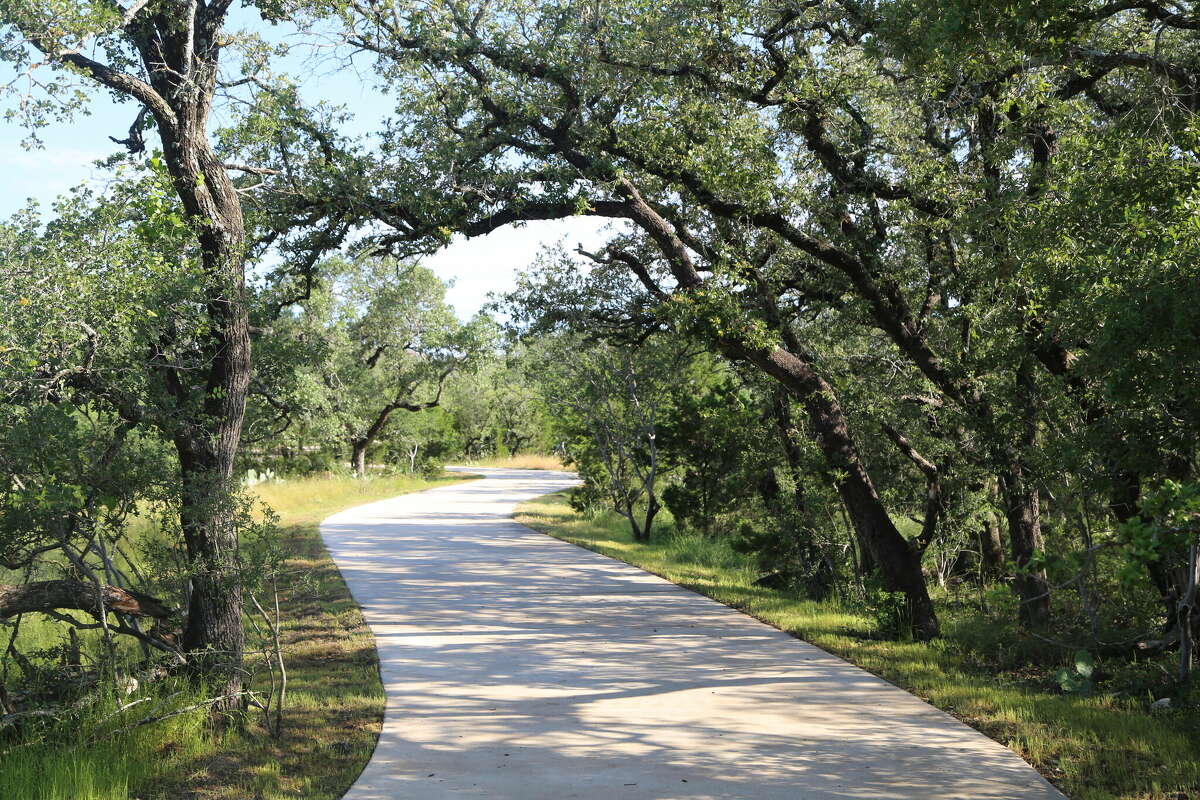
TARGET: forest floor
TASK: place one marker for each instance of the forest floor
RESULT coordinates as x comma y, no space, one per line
1093,748
334,707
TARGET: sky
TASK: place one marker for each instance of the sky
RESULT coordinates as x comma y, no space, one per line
475,268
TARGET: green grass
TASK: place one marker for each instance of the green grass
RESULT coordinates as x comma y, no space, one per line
1093,748
335,699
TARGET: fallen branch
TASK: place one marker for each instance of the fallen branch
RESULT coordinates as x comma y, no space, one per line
53,595
194,707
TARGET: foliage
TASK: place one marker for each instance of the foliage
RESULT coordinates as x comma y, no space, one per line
894,288
1168,527
607,404
1078,679
376,338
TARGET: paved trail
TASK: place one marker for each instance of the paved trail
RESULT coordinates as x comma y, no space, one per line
519,667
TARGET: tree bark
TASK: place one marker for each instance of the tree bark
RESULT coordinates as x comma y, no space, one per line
208,432
898,562
1023,512
358,456
77,595
1022,508
210,428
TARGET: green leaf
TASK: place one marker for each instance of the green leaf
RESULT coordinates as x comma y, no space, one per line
1085,664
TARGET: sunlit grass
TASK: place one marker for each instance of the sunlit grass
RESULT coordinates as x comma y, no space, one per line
335,698
1093,748
526,461
302,500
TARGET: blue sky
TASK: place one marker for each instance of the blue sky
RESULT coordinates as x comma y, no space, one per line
476,267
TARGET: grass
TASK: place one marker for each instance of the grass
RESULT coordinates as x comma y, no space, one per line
335,698
526,461
1093,748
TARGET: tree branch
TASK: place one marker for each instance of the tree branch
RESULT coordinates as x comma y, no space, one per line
59,594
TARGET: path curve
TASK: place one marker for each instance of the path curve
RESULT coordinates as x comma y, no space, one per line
520,667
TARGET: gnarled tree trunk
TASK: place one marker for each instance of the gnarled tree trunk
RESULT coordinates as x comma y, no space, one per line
181,62
898,563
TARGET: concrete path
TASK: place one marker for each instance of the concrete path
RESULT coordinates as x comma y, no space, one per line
519,667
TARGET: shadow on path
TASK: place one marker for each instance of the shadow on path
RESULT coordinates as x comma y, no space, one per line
518,666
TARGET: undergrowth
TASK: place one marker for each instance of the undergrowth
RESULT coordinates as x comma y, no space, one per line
332,718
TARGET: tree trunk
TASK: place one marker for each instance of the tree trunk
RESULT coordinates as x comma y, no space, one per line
781,414
213,634
208,442
864,562
358,456
179,60
1022,510
1186,616
630,513
991,548
652,509
899,564
359,444
207,438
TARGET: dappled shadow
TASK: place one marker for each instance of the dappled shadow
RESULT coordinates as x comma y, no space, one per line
519,666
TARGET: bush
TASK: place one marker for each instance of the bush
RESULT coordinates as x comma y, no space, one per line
889,610
588,499
787,558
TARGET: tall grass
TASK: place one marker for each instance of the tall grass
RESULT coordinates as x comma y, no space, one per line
524,461
84,764
1094,748
311,499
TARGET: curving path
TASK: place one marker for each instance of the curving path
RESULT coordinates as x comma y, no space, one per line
519,667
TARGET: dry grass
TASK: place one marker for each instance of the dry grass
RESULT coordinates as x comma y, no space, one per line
1093,748
527,461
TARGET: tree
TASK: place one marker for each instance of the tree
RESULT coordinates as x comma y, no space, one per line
608,403
390,343
1097,98
576,141
165,59
830,162
80,402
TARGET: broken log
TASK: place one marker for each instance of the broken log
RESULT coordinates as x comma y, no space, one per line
68,594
